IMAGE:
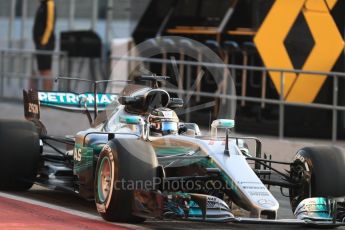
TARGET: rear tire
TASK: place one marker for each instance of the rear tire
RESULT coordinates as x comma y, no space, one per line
120,160
19,156
320,171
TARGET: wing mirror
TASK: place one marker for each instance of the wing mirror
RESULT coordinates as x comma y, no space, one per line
132,120
136,121
175,103
226,124
221,124
128,100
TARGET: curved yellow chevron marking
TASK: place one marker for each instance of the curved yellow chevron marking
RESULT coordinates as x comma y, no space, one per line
331,3
270,39
328,46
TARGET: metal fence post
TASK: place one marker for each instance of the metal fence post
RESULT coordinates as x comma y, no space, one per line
94,14
334,110
23,23
189,75
1,73
263,89
71,15
11,22
281,106
108,22
32,71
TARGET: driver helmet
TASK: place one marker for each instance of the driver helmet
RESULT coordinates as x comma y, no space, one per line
163,121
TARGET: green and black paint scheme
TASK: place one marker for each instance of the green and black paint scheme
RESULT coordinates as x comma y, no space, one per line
86,150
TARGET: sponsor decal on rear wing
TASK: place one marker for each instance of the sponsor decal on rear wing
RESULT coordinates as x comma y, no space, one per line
75,101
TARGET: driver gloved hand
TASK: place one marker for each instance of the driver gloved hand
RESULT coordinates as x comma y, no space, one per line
182,129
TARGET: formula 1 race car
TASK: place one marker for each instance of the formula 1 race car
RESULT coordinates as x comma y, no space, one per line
138,161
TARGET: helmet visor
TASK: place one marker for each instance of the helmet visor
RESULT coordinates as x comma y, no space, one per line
169,127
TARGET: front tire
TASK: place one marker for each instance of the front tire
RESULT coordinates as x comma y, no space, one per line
120,162
320,171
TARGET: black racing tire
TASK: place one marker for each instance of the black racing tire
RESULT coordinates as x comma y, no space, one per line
126,160
19,155
320,171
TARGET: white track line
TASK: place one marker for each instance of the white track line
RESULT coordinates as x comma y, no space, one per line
66,210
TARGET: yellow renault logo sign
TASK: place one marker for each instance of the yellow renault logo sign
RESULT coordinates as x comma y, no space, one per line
328,45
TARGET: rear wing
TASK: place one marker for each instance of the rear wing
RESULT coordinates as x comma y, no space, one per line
68,101
84,102
76,102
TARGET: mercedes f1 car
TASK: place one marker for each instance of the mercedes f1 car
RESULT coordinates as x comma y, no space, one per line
138,161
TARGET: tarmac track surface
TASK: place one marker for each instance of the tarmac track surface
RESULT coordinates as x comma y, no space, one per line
57,210
41,208
22,215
